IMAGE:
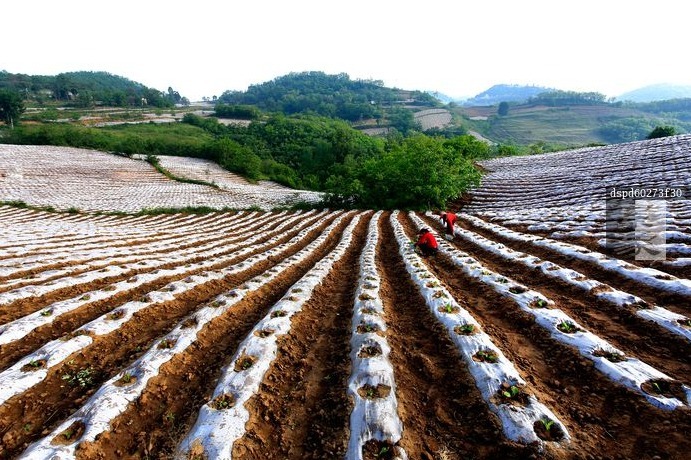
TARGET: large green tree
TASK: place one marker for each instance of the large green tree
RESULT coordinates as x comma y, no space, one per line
11,107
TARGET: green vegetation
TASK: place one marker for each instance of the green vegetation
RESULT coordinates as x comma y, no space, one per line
662,131
11,107
86,89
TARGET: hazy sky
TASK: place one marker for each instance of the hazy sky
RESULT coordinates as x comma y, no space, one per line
457,47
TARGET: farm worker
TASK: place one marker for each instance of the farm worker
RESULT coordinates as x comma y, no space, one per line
448,219
427,243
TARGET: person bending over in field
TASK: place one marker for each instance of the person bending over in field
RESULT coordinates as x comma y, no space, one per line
426,243
448,219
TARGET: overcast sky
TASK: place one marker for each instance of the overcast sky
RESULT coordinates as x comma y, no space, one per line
460,48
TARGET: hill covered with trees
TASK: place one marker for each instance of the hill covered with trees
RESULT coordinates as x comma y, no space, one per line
335,96
85,89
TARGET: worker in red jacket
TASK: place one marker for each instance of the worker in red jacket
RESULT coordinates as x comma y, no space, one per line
426,243
449,219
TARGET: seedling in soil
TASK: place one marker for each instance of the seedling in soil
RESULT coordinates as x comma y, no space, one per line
374,392
502,280
110,288
71,434
116,314
296,290
612,356
166,344
512,394
145,298
278,313
517,289
293,298
73,334
34,365
225,401
548,430
439,294
365,296
567,327
465,329
368,311
217,303
27,427
685,323
369,351
486,356
369,286
263,333
47,312
378,450
364,328
371,278
126,379
83,377
85,297
244,362
432,284
666,388
538,303
448,308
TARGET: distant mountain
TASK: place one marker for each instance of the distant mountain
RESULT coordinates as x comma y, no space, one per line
659,92
505,93
442,97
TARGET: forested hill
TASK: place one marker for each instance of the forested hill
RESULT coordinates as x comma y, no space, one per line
335,96
84,89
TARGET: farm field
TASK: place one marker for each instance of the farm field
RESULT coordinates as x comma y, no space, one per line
88,180
321,334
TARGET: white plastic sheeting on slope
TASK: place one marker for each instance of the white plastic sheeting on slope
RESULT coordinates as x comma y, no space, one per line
517,421
371,418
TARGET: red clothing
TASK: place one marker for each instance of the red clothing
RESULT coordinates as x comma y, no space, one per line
427,239
449,219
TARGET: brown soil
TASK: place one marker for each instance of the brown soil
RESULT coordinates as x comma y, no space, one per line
604,419
301,409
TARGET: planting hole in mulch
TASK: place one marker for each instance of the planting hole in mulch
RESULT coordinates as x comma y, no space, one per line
369,350
244,362
190,322
364,328
439,295
116,314
612,356
47,312
685,323
448,308
145,298
369,286
664,277
539,303
378,450
365,296
372,392
263,333
197,451
166,343
110,287
70,435
432,284
73,334
666,388
132,280
517,289
547,430
126,379
369,311
466,329
225,401
567,327
486,356
34,365
511,393
278,313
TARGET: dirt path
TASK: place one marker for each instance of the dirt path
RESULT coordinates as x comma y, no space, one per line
442,411
302,410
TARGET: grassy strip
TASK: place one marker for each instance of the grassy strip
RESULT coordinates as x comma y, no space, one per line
153,161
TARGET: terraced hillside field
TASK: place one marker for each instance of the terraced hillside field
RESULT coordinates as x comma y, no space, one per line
64,177
323,335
